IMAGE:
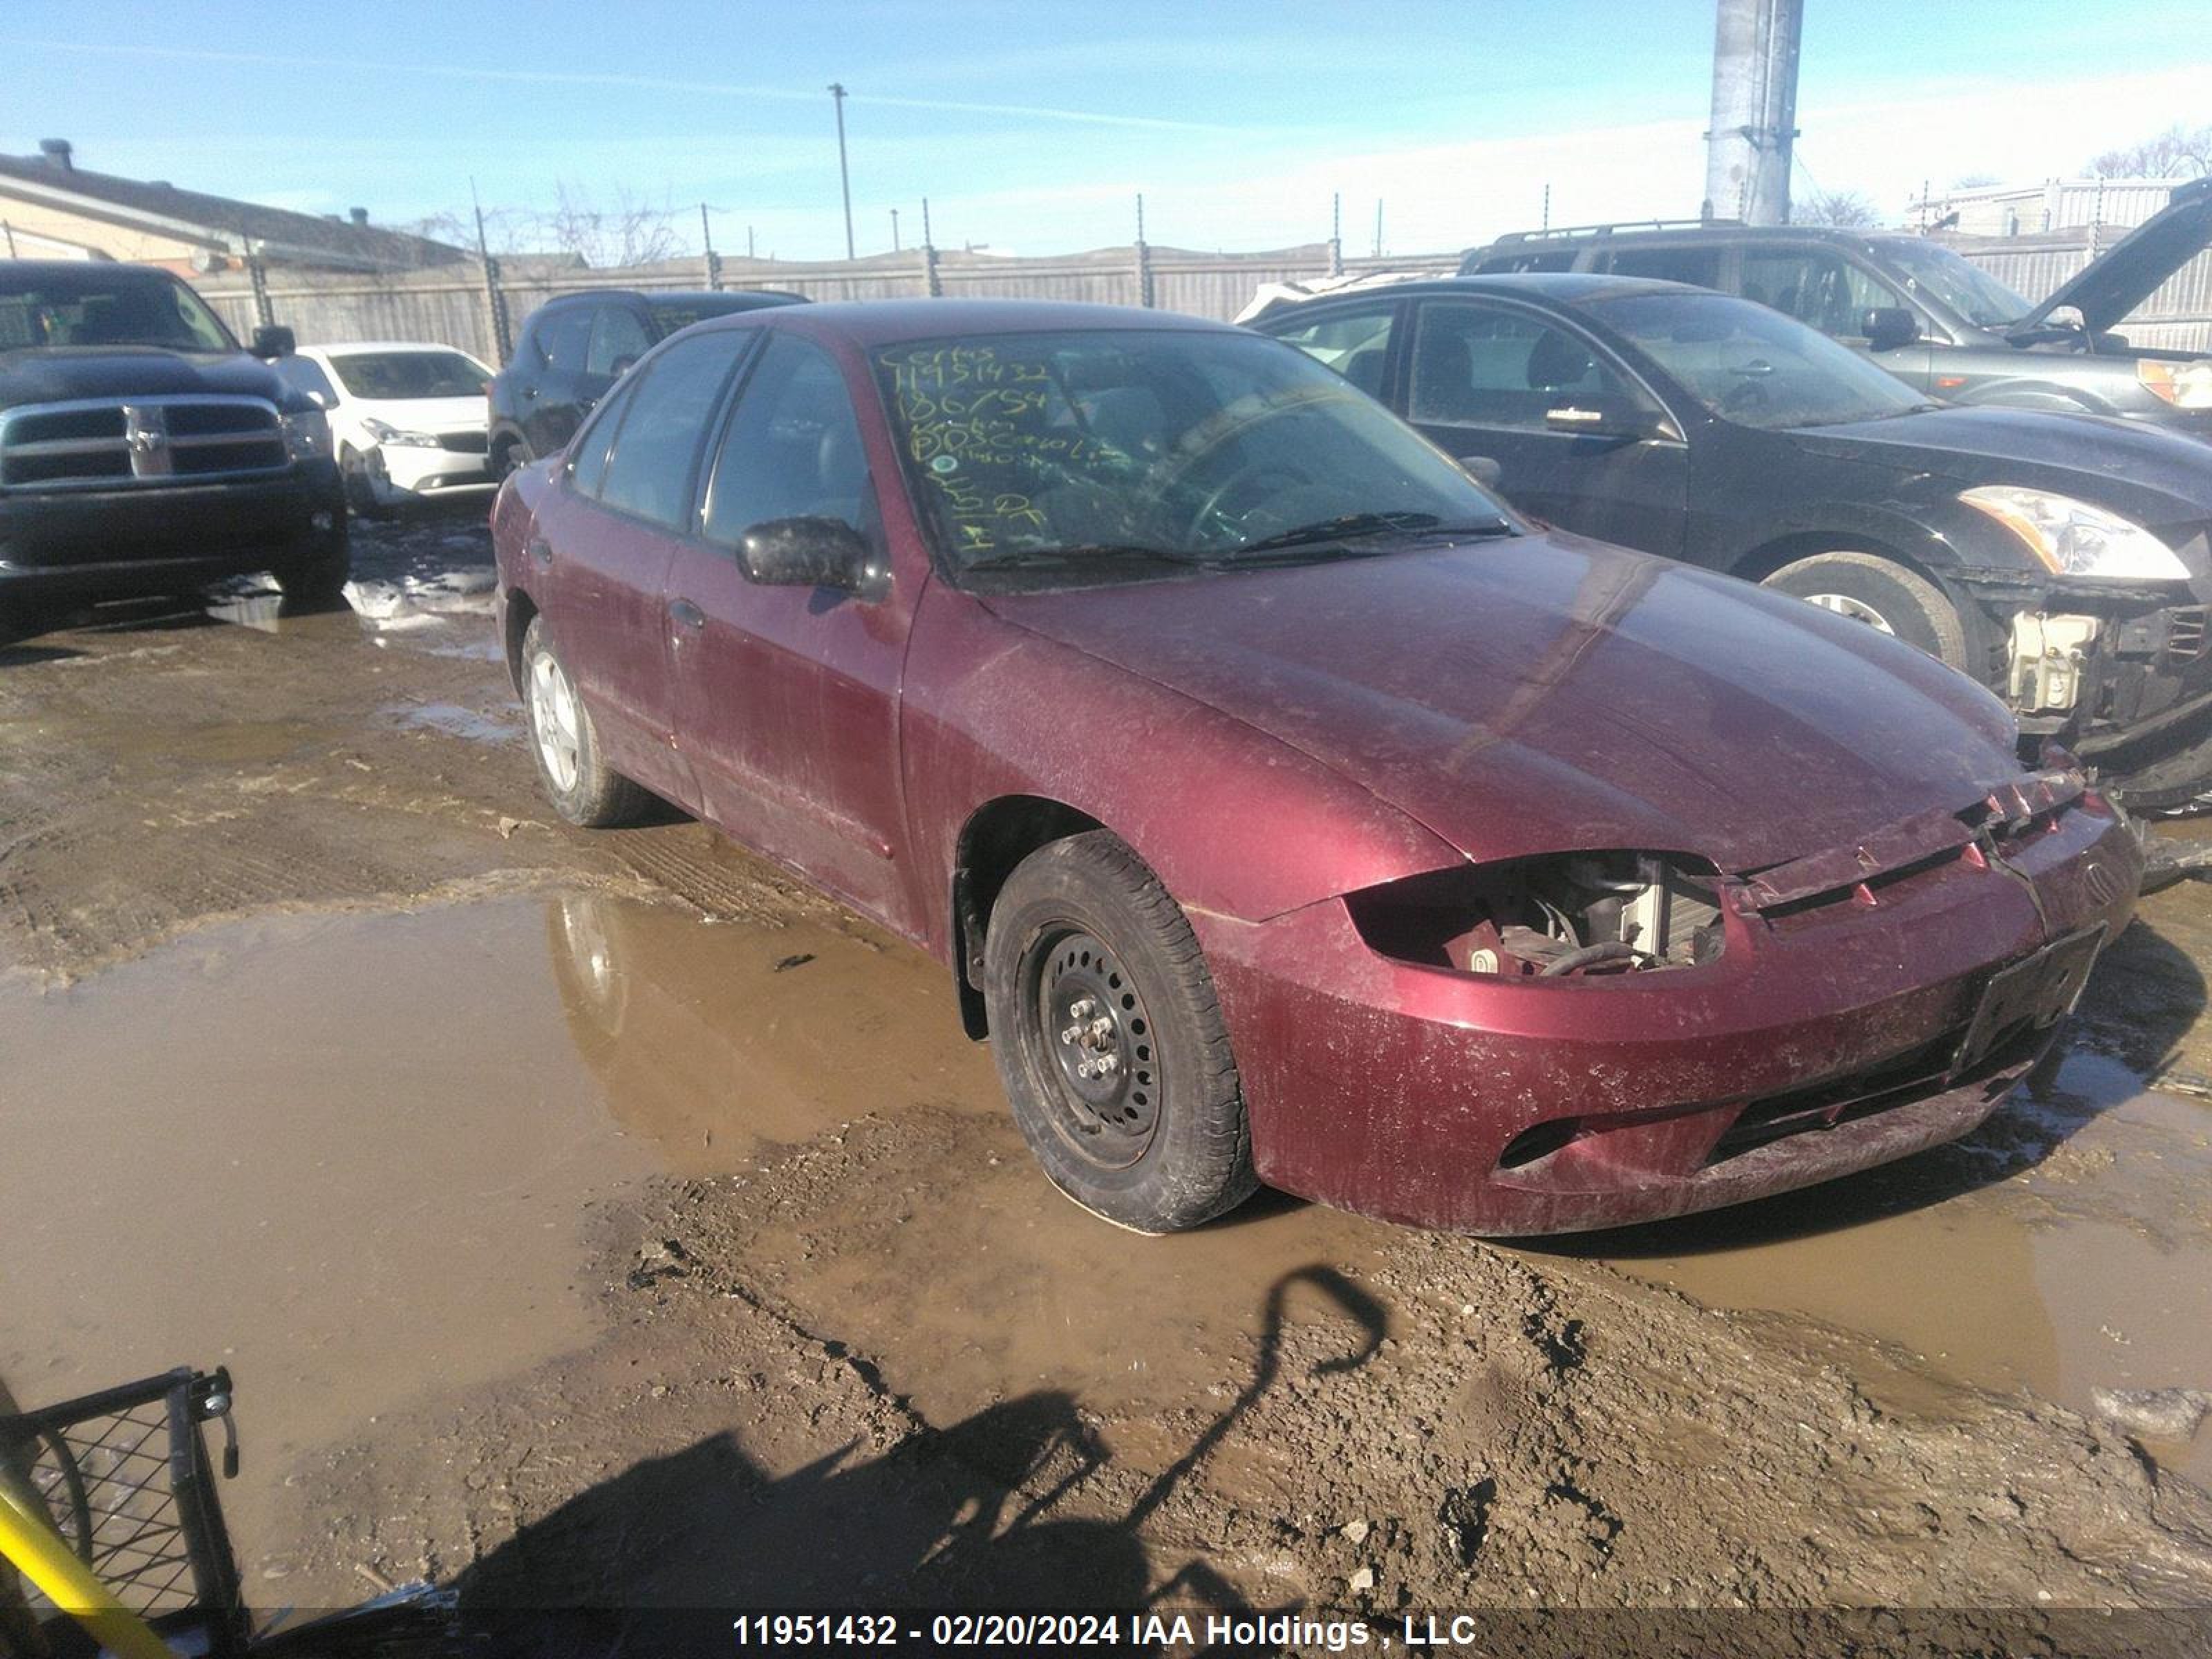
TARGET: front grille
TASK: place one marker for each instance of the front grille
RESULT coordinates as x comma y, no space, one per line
477,443
138,441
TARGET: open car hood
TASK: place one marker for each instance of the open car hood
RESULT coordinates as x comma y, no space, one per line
1548,693
2125,275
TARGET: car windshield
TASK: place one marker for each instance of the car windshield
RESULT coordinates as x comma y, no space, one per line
1127,454
103,306
1754,366
410,374
1937,271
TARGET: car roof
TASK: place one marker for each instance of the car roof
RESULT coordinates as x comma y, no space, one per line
670,295
1566,288
118,268
1526,241
888,322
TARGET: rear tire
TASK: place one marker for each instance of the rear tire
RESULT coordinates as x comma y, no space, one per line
1882,595
582,787
1089,959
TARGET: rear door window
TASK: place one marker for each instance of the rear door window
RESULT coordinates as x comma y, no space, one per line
562,337
650,472
618,339
1482,365
1699,266
1354,341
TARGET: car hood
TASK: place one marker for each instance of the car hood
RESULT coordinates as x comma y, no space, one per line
2149,473
419,413
59,375
2118,281
1549,694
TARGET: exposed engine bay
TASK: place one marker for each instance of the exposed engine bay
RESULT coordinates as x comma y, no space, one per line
1577,916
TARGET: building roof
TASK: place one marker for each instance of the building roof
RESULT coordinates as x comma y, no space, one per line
278,234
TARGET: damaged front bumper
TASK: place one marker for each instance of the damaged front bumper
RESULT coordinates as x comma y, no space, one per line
2120,677
1871,1001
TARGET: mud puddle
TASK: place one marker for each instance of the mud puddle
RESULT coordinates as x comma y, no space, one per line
2061,1248
353,1156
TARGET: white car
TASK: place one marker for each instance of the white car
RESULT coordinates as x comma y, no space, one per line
407,420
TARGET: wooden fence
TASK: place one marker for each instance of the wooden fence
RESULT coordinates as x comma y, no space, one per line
480,310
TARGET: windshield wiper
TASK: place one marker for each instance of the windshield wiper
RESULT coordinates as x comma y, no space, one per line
1358,526
1048,558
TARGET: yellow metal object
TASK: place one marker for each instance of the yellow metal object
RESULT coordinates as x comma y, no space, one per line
28,1539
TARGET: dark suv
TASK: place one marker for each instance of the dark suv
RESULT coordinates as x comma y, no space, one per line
572,349
1940,324
144,452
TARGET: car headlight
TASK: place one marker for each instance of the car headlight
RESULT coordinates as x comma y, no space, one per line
2073,538
307,435
384,432
1576,915
2185,386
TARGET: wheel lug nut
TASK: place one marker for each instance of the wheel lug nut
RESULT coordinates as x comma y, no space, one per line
1084,1009
1071,1034
1108,1064
1102,1027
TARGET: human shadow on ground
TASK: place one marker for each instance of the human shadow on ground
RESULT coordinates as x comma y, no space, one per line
970,1516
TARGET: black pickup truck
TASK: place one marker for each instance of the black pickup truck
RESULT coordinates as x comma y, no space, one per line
142,451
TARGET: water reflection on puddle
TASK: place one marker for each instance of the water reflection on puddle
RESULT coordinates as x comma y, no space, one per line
2062,1248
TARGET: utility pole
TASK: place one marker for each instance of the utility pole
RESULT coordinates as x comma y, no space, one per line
500,322
706,240
1378,226
844,177
1754,118
1336,234
895,248
1548,204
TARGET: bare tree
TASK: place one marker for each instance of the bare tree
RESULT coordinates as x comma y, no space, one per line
2179,152
629,232
1846,209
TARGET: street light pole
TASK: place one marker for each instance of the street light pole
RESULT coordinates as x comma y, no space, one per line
844,177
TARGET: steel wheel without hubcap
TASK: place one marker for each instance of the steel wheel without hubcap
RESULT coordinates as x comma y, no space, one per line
1109,1039
553,718
1858,609
1093,1023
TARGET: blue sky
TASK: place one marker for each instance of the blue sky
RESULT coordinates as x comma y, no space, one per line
1031,126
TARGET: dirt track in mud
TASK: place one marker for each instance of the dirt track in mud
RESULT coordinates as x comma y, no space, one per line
608,1218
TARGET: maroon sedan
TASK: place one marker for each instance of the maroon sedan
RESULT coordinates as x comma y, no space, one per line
1287,809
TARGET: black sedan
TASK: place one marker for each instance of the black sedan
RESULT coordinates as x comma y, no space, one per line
2062,560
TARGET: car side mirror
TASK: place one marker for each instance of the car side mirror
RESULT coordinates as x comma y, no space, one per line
1484,470
274,340
1601,415
805,553
1888,327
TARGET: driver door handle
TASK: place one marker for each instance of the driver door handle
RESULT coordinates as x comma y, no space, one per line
687,614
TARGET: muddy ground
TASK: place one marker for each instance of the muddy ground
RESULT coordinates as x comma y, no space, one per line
606,1218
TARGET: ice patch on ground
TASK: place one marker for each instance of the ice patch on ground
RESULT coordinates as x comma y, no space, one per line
422,601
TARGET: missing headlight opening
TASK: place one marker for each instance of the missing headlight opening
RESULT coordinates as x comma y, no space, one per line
1577,916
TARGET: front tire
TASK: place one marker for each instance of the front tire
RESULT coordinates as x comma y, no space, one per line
1884,595
1110,1041
316,580
582,787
